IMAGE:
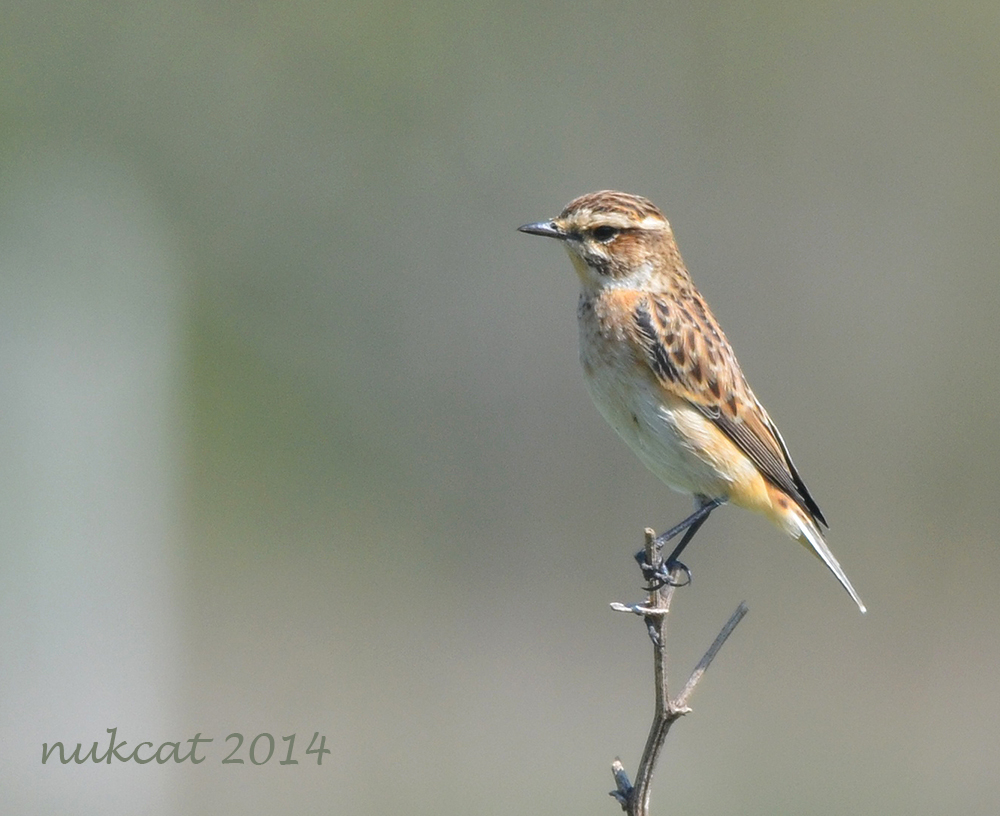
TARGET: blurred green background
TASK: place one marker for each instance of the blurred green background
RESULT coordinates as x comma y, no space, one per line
295,438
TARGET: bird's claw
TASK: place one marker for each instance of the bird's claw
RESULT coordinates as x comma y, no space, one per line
659,577
670,568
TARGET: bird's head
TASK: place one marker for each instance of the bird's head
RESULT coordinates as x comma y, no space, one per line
614,240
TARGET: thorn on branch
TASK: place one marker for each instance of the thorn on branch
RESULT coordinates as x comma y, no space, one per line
623,787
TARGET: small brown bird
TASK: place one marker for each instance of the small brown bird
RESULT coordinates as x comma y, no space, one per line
664,376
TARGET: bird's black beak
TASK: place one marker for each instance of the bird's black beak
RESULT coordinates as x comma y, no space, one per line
546,228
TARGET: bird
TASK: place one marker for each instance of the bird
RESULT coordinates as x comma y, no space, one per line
662,373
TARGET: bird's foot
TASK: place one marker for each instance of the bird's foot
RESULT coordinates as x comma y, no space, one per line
664,575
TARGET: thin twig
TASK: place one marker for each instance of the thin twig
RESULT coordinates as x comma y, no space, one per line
713,650
634,799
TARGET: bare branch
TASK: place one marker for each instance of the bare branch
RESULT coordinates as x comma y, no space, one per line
713,650
634,799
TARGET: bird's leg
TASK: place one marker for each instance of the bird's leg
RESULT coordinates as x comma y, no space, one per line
689,527
693,524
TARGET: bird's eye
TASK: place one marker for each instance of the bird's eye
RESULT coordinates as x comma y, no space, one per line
605,233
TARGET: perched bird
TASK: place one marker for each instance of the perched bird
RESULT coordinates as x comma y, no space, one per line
664,376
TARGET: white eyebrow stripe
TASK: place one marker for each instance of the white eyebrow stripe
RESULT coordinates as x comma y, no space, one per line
622,221
652,222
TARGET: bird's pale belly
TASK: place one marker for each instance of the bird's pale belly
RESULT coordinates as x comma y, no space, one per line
671,437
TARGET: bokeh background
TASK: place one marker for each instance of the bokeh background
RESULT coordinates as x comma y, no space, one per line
294,438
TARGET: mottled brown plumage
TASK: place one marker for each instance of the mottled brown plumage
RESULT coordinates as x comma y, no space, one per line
662,372
680,330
